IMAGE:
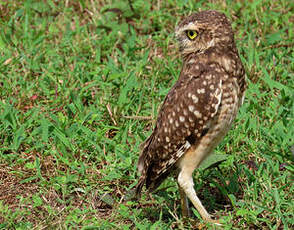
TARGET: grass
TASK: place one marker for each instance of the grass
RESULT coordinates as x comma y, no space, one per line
81,83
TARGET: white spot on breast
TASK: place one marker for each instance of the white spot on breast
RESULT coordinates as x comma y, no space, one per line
173,113
177,123
211,87
201,90
197,114
195,98
189,95
204,82
167,139
182,119
208,77
191,108
185,112
165,129
171,120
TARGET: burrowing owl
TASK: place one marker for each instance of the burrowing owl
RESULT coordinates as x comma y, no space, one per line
199,109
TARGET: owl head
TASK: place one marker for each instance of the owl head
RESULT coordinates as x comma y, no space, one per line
203,30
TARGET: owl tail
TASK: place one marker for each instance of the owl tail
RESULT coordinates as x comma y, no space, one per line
142,169
139,186
142,162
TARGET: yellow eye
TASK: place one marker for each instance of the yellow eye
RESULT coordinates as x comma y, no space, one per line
191,34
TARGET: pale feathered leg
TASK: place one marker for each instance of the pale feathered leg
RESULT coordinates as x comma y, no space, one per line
185,181
184,203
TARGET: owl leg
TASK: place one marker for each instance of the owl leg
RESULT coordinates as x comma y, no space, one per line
185,181
184,203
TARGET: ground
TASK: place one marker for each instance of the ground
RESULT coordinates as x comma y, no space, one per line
81,84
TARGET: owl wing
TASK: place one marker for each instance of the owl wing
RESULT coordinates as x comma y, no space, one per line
183,119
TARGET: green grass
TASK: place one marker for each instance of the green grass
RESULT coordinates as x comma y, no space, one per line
80,86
